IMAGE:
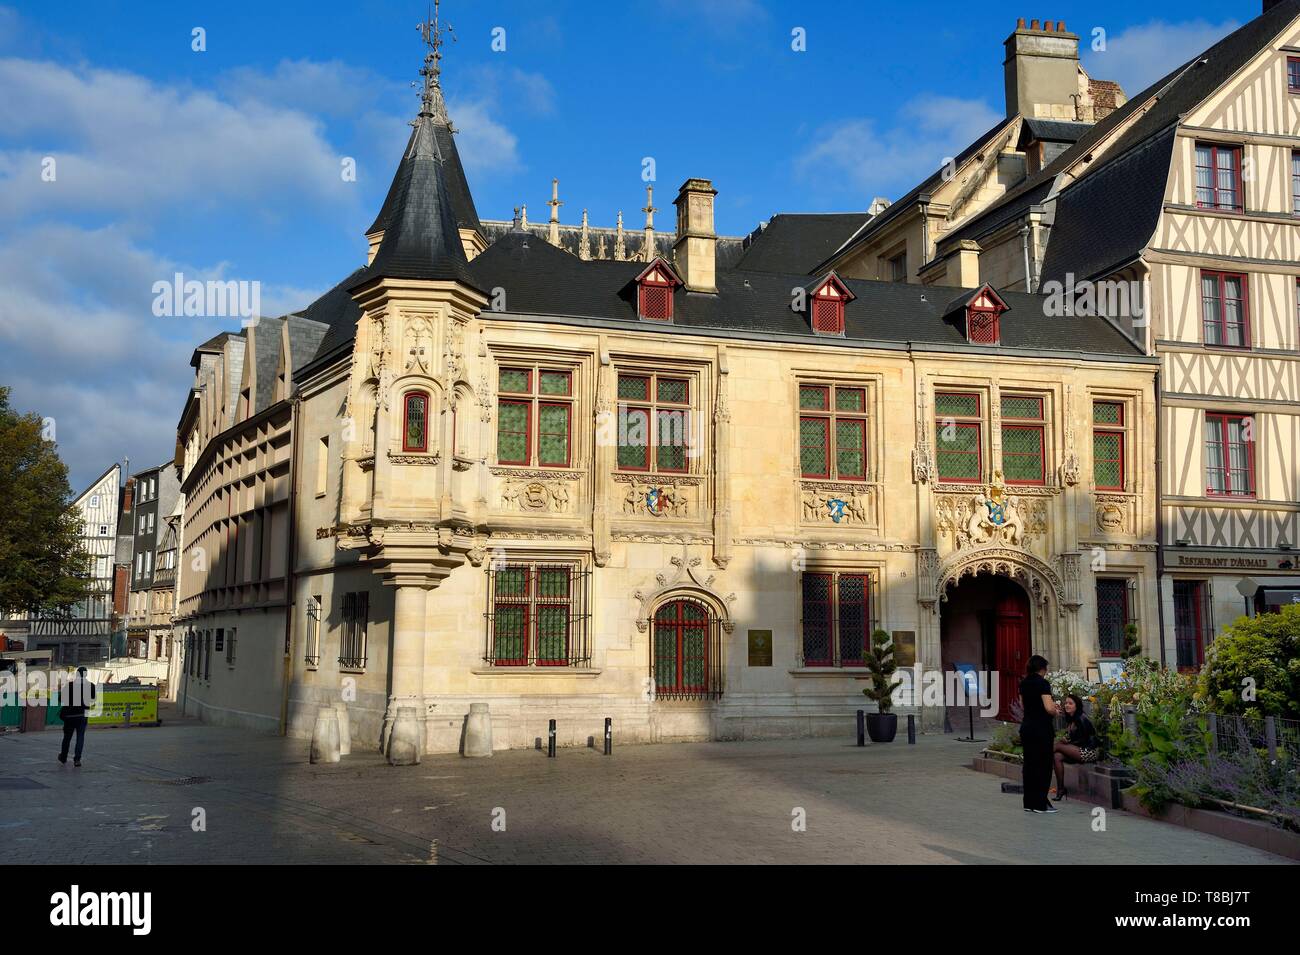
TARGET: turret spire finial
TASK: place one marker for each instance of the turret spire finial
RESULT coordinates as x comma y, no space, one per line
434,33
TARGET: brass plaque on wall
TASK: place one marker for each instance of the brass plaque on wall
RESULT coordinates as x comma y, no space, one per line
760,648
904,648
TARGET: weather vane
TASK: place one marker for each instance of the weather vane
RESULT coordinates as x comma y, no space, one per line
434,33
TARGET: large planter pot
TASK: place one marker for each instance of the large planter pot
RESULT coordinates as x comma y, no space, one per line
881,727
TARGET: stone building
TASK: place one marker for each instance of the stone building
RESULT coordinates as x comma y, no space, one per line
1176,215
675,492
149,626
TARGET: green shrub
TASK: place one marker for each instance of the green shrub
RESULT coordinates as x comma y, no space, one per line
881,666
1253,667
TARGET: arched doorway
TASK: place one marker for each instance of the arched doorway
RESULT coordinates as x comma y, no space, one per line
685,650
985,622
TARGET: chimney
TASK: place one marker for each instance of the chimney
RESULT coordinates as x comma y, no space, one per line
128,495
1042,70
695,248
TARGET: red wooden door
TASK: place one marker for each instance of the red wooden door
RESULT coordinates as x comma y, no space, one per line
1012,632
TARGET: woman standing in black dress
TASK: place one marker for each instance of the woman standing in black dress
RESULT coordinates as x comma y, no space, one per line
1037,735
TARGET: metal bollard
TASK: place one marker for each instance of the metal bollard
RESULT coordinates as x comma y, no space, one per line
550,740
862,727
911,728
609,737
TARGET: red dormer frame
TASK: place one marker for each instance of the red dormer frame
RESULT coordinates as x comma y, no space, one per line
826,307
983,318
654,291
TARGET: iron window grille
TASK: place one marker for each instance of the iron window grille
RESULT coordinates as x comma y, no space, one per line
839,616
537,615
230,647
352,643
686,651
312,655
1113,613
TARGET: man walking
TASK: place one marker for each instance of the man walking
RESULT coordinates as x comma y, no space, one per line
77,697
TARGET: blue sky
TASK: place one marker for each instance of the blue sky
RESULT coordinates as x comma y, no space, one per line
226,163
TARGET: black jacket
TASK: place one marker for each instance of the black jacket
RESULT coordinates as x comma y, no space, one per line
77,697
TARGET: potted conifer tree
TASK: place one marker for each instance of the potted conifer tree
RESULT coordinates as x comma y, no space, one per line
882,725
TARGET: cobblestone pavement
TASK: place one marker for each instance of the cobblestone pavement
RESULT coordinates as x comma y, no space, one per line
134,798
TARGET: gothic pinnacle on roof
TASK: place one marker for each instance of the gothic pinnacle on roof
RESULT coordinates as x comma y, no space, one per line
431,101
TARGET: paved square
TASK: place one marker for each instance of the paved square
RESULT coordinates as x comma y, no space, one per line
136,795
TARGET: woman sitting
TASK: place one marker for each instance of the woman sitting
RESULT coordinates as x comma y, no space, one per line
1081,744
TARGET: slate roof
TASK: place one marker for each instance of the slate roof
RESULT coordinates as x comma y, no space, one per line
541,280
1165,101
927,186
462,201
421,237
1052,130
798,242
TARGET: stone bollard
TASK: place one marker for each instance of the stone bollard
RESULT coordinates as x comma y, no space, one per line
325,737
345,728
404,738
478,731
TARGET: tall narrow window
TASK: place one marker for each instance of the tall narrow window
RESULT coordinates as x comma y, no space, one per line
958,448
1218,177
415,431
322,466
1108,439
1293,74
654,422
534,416
833,432
1295,183
1224,311
356,621
1112,614
1023,438
1229,455
312,637
837,621
535,616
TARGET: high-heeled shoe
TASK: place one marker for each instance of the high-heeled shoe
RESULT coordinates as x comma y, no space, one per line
1061,794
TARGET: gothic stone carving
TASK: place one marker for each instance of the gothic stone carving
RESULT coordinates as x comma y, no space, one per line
688,578
397,458
657,500
990,517
1114,514
835,504
536,496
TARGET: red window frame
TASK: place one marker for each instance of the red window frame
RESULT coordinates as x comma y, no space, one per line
832,614
651,409
530,601
1221,320
655,301
1221,420
407,401
1039,425
829,416
678,627
1295,182
827,315
1293,74
533,400
961,422
567,408
982,326
1214,149
1117,428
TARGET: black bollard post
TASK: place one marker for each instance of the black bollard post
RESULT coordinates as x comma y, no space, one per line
550,740
609,737
862,727
911,728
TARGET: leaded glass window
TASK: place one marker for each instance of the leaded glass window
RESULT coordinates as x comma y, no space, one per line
535,416
415,434
837,621
1108,439
1023,439
958,437
654,422
833,432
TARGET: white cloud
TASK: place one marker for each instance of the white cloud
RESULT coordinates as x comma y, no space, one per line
872,161
331,88
1137,57
125,145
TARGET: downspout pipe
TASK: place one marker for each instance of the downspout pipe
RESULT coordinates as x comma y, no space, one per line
1024,244
1160,522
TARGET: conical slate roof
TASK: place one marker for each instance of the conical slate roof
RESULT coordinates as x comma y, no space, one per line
421,238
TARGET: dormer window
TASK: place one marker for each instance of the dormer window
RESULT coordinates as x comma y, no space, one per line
826,307
654,292
979,313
